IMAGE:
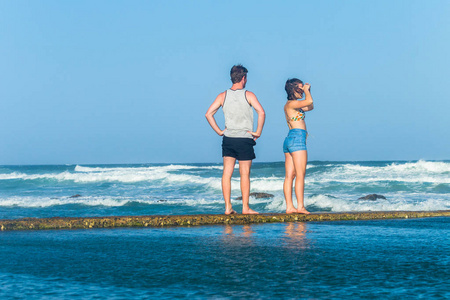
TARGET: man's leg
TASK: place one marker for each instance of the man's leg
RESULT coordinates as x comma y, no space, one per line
228,168
244,171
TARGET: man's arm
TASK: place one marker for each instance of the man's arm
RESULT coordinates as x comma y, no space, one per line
212,111
253,101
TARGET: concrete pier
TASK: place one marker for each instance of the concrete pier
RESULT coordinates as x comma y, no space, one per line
196,220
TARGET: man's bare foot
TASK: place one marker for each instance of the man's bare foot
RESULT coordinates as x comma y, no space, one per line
303,211
249,212
291,210
230,212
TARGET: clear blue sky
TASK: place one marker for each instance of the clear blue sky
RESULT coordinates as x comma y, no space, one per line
130,81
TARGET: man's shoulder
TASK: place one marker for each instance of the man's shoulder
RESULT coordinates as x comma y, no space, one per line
222,95
248,93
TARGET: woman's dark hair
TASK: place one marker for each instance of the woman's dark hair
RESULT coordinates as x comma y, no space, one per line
237,73
291,88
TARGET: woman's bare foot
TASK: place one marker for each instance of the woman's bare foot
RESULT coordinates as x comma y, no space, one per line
303,210
292,210
230,212
249,212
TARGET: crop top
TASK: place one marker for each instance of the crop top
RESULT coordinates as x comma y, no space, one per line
300,115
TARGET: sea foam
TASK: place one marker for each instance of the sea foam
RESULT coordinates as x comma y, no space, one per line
421,185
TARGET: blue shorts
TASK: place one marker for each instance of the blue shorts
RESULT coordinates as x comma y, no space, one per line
295,141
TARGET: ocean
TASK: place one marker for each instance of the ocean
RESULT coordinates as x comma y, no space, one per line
170,189
380,259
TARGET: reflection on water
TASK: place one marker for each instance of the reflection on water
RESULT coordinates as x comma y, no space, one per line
296,235
262,255
247,231
238,236
291,235
294,232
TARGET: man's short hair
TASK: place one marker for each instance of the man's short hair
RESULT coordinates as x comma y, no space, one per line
237,73
291,88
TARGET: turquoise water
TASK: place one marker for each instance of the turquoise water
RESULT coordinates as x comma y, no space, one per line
45,191
389,259
394,259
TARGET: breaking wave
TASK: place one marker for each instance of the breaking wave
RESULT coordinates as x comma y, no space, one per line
330,186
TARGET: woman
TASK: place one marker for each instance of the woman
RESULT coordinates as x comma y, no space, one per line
294,146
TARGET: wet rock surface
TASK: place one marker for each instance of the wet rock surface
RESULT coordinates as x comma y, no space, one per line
195,220
372,197
257,196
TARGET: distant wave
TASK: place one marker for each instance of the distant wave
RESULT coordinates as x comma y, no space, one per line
421,185
25,201
127,175
47,201
420,166
79,168
390,204
276,204
334,204
421,171
89,201
418,172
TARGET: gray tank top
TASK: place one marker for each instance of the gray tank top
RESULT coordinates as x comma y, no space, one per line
238,114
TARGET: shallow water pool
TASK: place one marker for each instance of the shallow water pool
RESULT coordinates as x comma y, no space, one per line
346,259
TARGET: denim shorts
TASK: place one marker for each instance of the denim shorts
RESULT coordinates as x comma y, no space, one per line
295,141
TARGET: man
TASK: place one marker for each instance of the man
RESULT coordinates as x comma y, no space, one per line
238,135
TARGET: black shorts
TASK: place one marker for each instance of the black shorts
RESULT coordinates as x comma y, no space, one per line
239,148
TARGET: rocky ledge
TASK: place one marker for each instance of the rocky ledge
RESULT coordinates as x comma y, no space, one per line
195,220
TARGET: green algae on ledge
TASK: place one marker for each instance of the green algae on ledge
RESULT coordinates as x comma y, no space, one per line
207,219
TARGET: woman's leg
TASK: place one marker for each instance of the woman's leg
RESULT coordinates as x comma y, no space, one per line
300,158
288,180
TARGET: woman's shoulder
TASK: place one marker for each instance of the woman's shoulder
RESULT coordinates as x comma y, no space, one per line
290,104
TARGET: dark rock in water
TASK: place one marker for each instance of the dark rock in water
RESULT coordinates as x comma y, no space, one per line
372,197
257,196
75,196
